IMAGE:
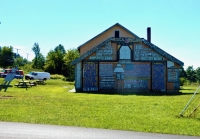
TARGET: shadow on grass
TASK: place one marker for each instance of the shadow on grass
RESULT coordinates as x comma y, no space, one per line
101,93
188,117
186,89
188,93
140,93
155,93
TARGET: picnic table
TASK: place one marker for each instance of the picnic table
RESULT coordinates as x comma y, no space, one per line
24,84
40,82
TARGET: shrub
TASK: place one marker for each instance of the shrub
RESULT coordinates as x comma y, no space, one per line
182,81
56,76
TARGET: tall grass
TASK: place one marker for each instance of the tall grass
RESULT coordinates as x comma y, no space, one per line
56,76
192,103
53,104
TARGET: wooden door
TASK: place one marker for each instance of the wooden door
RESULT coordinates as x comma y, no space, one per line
158,76
90,76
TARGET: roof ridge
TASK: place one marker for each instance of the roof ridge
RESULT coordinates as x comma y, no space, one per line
106,30
162,52
91,51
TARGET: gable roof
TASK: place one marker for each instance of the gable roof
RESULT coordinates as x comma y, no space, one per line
162,52
152,46
117,24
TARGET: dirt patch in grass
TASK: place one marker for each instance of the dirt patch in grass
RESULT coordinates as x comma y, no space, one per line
6,97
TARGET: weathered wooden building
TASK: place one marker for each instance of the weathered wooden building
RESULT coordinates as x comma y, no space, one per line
119,60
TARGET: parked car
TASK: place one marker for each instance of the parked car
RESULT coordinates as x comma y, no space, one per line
1,72
19,73
5,72
37,76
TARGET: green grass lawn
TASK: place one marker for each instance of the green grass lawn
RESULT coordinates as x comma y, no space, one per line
53,104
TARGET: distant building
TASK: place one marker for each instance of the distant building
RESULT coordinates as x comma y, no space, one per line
119,60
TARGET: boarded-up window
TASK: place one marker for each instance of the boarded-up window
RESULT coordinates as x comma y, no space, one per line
125,52
116,34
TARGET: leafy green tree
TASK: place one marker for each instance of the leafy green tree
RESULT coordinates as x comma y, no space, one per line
40,60
54,60
182,73
198,74
59,54
49,65
60,48
191,74
68,68
20,61
6,56
36,50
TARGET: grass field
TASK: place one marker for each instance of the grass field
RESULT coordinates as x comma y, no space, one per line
53,104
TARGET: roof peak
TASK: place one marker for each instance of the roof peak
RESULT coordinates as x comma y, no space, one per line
108,29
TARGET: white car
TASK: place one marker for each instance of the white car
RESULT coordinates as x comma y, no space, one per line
33,75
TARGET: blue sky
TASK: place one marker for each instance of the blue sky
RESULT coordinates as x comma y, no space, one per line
175,24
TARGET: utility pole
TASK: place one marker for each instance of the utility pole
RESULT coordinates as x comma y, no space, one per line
27,55
17,50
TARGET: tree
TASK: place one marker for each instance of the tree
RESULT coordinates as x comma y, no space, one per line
60,48
191,74
198,74
40,61
20,61
182,73
68,68
54,60
36,50
6,56
59,54
49,65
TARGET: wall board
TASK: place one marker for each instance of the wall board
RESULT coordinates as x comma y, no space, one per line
173,75
137,76
158,76
78,75
90,76
143,53
106,76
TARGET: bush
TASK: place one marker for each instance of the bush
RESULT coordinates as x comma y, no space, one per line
56,76
182,81
68,79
